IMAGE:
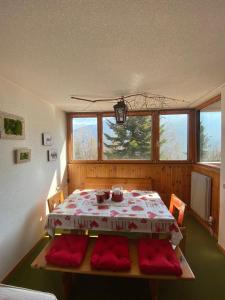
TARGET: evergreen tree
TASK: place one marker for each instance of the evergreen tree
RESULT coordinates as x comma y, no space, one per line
132,140
162,141
204,144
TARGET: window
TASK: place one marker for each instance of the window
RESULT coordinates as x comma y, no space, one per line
85,138
173,137
131,141
145,137
210,133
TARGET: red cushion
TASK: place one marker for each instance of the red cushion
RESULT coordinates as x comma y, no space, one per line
111,253
67,250
158,257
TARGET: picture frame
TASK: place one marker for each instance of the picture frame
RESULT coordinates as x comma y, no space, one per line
22,155
11,126
52,154
47,139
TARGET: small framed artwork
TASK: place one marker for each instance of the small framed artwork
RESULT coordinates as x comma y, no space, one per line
52,154
22,155
11,127
47,139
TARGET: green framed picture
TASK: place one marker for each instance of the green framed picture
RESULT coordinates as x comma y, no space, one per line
22,155
11,126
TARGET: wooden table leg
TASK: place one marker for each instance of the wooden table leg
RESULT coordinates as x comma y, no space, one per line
154,287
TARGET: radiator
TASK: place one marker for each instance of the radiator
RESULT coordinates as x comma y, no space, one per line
201,195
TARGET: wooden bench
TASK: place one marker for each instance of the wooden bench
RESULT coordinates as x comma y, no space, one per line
134,272
108,182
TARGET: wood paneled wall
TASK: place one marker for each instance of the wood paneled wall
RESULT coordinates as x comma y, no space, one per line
214,173
167,178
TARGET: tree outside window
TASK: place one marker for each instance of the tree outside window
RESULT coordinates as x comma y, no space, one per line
132,140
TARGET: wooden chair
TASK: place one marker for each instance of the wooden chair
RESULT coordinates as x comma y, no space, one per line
177,204
65,190
55,200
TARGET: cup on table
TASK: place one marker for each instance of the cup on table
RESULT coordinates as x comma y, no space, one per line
100,196
107,194
117,195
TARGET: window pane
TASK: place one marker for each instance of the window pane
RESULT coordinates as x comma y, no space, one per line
85,139
131,140
210,134
173,137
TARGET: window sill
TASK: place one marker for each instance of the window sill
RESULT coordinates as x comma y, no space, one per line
215,166
168,162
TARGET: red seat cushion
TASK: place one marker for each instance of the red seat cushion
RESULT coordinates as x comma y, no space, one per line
158,257
111,253
67,250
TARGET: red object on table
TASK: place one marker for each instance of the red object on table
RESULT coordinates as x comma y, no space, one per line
107,194
117,197
100,196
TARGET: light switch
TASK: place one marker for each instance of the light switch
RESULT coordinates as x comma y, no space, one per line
224,185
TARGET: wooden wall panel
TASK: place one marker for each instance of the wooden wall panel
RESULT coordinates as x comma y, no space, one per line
167,178
214,173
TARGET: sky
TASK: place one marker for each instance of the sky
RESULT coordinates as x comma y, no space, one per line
212,124
81,122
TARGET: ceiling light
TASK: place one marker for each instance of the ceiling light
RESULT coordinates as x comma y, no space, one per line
120,110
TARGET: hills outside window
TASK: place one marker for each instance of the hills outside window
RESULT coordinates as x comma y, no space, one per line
85,138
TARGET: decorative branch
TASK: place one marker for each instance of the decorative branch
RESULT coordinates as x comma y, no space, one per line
146,101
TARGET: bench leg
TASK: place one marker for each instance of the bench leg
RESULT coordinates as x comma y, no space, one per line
67,281
154,287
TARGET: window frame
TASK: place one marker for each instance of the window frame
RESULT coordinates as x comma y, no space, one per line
190,130
154,140
70,118
197,147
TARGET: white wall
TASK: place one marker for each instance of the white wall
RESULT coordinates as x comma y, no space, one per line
221,238
25,187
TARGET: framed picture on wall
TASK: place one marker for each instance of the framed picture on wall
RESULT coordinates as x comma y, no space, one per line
11,126
47,139
22,155
52,154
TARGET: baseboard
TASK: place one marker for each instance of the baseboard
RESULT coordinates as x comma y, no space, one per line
4,280
203,223
221,248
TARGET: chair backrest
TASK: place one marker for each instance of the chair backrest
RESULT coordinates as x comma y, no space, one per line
175,202
55,200
65,190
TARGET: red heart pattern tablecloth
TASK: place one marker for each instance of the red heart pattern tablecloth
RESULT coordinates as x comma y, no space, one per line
140,211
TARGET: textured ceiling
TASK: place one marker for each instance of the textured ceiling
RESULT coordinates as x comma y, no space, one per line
108,48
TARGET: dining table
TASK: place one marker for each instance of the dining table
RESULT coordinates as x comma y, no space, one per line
139,211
